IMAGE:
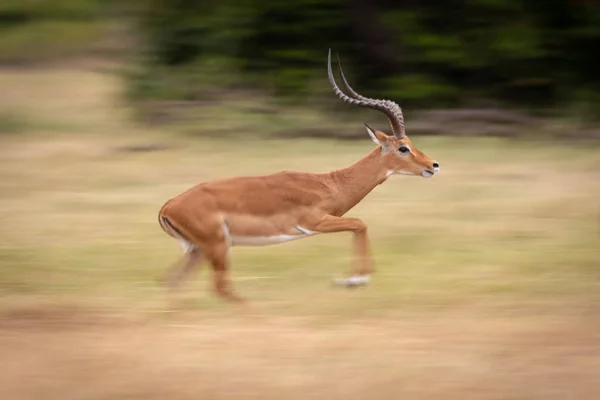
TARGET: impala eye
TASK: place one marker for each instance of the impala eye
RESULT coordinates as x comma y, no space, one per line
403,149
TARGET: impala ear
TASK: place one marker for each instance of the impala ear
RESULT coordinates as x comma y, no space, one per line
378,137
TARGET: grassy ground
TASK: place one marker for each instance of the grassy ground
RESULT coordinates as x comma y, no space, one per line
487,284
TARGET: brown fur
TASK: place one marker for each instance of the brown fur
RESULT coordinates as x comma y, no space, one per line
275,204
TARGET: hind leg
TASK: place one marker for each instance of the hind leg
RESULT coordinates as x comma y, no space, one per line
209,233
178,273
219,258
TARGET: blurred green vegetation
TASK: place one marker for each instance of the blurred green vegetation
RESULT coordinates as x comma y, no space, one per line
34,31
533,55
424,54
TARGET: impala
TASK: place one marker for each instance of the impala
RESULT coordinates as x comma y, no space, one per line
211,217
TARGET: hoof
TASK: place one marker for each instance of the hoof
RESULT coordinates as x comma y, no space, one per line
353,281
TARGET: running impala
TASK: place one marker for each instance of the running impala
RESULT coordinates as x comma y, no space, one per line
211,217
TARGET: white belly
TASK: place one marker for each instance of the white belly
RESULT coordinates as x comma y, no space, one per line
253,240
266,240
263,240
249,241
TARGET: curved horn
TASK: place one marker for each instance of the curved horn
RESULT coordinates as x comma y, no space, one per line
388,107
353,94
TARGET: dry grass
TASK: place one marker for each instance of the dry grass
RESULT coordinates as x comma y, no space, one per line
488,282
450,356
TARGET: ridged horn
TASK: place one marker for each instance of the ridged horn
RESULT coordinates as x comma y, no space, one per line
388,107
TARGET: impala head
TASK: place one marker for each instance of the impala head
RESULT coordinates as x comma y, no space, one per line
398,152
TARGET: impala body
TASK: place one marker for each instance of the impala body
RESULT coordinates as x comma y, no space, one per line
212,217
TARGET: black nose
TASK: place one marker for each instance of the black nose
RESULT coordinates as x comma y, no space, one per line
436,165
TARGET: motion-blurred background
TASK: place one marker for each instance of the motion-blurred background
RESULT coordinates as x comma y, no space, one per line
488,275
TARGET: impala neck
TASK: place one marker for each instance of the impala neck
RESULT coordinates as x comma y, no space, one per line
358,180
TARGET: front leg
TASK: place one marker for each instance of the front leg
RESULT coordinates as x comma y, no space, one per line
363,267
